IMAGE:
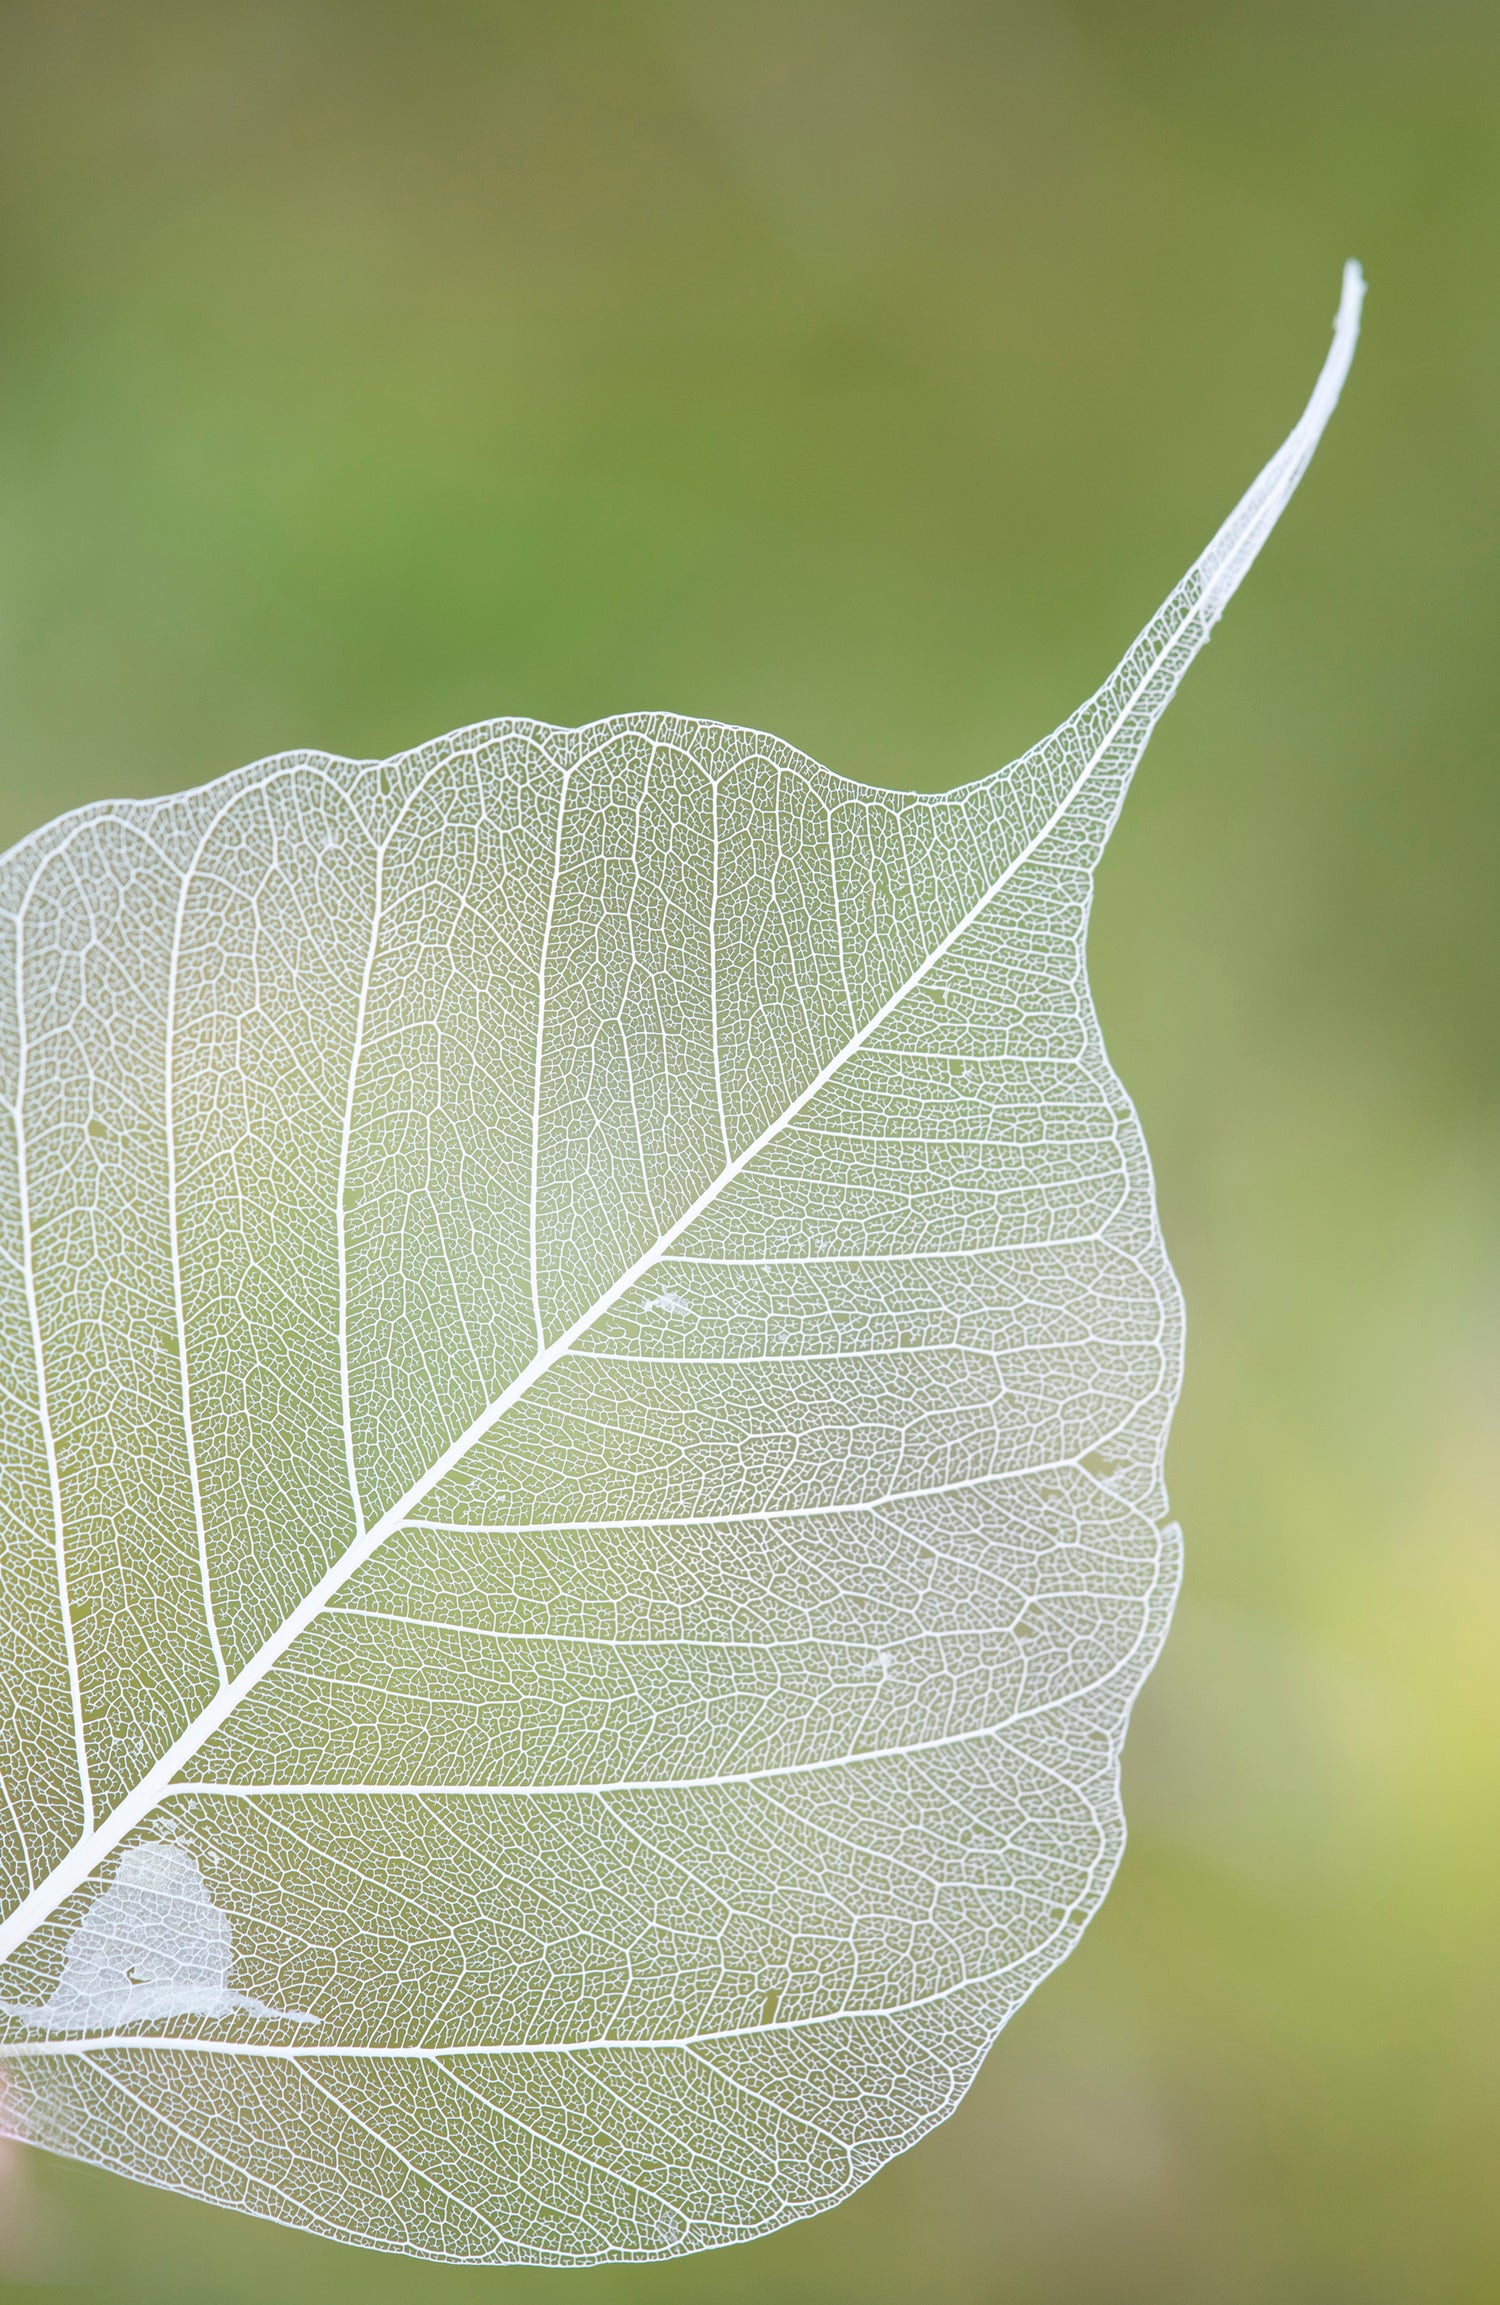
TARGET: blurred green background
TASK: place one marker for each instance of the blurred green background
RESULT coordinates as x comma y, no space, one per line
866,370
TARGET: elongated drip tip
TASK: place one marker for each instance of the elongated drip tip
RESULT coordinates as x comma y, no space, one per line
1224,563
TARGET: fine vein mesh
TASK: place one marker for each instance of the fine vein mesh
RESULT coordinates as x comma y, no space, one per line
586,1362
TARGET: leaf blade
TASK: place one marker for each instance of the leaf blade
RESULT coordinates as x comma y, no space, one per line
824,1063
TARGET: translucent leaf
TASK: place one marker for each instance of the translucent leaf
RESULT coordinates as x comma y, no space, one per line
586,1361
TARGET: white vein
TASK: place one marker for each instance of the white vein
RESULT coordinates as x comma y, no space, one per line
43,1401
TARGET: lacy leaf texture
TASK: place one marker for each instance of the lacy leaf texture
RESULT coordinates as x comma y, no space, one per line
586,1357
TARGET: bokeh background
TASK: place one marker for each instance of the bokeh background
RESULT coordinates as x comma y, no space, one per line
866,370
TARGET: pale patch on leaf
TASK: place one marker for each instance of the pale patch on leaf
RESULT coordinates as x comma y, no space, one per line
154,1945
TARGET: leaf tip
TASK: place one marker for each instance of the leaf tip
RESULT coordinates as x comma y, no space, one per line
1224,565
